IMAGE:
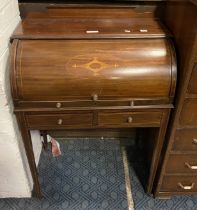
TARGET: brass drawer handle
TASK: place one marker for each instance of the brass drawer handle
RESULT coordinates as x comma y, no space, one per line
143,30
127,30
60,121
58,105
129,119
191,166
95,97
186,187
92,31
194,141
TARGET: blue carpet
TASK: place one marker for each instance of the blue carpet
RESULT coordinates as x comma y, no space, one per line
89,175
143,201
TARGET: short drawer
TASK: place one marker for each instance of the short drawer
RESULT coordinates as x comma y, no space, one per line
129,119
179,184
59,120
185,140
189,113
182,164
192,88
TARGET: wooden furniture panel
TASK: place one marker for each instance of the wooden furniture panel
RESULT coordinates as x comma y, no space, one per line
130,119
185,184
93,73
185,140
192,88
95,102
179,160
59,120
182,164
131,23
188,115
94,70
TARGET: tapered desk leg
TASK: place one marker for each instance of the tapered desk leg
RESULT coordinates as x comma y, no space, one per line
29,152
160,137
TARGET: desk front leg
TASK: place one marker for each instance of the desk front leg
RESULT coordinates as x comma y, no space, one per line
29,152
156,156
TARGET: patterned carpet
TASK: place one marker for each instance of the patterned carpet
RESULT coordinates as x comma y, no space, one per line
90,175
142,201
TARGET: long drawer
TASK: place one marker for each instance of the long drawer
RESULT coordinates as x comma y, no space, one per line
185,140
59,120
182,164
179,184
189,113
129,119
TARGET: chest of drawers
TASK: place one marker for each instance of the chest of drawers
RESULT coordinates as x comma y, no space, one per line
179,170
82,68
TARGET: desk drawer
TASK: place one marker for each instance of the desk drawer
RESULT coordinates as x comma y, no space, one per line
189,113
179,184
59,120
129,119
185,140
182,164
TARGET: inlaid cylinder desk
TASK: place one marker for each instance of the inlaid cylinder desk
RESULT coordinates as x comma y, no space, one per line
84,68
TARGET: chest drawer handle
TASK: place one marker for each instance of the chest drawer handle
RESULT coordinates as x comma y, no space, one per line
60,121
186,187
194,141
92,31
58,105
129,119
190,166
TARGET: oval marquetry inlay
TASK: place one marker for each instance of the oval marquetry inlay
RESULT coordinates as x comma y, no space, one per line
93,64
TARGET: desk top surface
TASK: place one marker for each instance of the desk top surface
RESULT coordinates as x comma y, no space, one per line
88,23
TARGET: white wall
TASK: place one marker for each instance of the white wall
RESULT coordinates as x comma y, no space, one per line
16,180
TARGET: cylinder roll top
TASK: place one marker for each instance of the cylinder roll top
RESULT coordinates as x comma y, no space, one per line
78,69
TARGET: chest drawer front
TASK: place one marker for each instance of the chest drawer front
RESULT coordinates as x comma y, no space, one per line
193,84
185,140
182,164
179,184
59,120
129,119
189,113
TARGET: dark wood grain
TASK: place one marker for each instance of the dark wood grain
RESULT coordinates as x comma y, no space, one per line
129,119
182,164
60,120
185,140
65,78
63,70
73,22
188,116
171,184
182,130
